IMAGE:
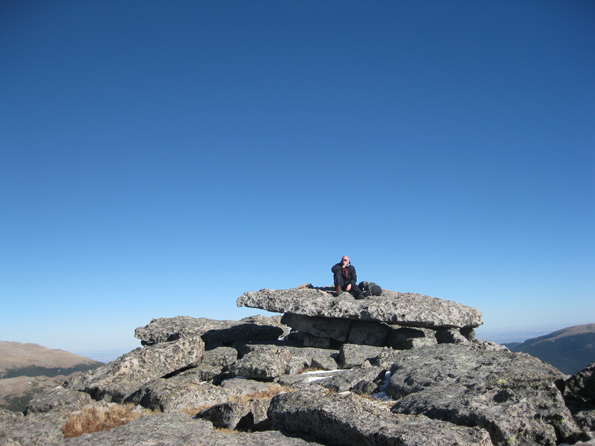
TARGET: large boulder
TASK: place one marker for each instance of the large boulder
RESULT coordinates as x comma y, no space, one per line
239,415
264,362
119,379
212,332
513,396
56,397
353,355
352,420
183,391
583,383
407,309
301,357
36,429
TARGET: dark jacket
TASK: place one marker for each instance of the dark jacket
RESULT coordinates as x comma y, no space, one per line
351,275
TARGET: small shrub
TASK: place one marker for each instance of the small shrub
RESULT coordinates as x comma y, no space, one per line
102,418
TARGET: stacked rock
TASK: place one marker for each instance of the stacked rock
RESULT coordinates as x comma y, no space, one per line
398,320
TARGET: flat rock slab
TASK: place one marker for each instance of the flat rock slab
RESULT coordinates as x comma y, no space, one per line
407,309
253,328
56,397
238,415
351,420
119,379
178,393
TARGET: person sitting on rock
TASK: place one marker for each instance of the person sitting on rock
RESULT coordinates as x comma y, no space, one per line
346,278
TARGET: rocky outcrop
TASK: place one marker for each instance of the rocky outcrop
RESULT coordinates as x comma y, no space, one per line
512,396
405,309
212,332
583,383
320,319
378,384
351,420
36,429
119,379
183,391
248,415
263,362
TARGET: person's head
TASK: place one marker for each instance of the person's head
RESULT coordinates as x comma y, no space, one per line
345,260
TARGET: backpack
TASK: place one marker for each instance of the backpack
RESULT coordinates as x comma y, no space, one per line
370,289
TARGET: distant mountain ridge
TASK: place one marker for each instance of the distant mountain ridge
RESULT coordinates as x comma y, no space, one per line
27,369
569,349
18,359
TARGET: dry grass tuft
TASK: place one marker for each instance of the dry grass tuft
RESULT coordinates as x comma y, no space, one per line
102,418
273,389
381,403
194,410
226,430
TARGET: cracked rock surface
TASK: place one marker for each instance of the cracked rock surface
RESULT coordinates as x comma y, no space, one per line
406,309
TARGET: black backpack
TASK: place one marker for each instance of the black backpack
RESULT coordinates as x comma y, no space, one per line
370,289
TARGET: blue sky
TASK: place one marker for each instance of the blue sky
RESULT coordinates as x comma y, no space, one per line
160,158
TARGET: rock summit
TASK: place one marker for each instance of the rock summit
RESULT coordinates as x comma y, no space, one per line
400,370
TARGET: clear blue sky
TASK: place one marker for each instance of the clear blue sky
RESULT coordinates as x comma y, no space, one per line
160,158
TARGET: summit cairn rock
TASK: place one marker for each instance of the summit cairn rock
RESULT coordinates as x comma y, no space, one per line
399,320
405,309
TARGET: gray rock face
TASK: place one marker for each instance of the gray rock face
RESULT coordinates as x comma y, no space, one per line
406,338
240,415
407,309
305,357
353,355
177,393
450,336
212,332
351,420
583,383
38,429
511,395
367,333
316,341
119,379
347,380
242,386
264,362
56,397
323,327
221,357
